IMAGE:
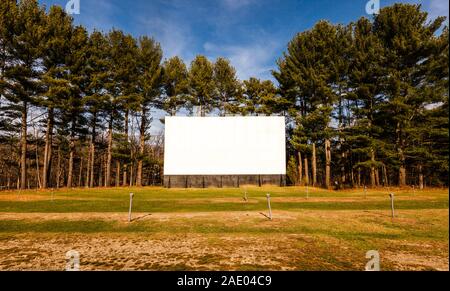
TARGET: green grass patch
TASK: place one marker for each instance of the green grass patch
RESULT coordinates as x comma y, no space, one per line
145,204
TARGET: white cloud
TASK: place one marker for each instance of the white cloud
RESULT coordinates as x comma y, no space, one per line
253,60
175,38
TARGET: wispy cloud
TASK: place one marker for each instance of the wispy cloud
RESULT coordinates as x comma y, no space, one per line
99,15
253,60
176,38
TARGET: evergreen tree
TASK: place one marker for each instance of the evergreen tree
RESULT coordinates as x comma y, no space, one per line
121,52
201,83
97,73
150,87
259,97
23,30
128,102
176,85
427,153
367,78
72,122
373,93
409,41
307,76
55,79
227,86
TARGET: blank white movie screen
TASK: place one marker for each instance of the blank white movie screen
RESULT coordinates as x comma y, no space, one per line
225,146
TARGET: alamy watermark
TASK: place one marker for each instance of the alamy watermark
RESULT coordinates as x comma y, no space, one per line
374,261
73,7
72,261
373,7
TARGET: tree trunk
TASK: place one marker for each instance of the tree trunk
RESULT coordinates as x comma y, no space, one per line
117,174
58,174
124,182
127,114
125,166
314,165
372,169
71,155
80,173
106,160
23,144
100,176
352,176
305,161
141,148
327,163
359,176
402,176
421,184
202,111
377,177
343,180
300,168
401,156
88,167
224,112
38,178
91,159
131,174
109,157
91,180
8,181
385,176
48,149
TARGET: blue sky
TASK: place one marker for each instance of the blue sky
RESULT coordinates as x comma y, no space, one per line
251,33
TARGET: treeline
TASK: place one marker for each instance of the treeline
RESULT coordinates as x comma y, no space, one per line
367,103
76,108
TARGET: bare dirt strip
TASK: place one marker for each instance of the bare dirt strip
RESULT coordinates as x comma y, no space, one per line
275,250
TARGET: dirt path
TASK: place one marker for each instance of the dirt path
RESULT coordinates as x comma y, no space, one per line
267,250
197,252
162,252
226,215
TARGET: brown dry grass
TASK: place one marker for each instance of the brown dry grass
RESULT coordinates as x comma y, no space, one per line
300,239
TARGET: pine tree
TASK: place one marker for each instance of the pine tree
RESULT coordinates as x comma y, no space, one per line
427,153
227,87
121,49
97,73
340,82
57,47
72,119
307,77
150,87
128,102
201,83
23,28
409,41
176,85
367,77
259,97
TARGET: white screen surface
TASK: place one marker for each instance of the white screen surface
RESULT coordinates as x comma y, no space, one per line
225,146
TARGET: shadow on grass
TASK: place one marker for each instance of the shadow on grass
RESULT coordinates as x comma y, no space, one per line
141,217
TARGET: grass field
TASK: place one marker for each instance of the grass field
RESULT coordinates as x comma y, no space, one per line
215,229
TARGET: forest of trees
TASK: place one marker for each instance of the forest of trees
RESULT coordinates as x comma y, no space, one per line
366,103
